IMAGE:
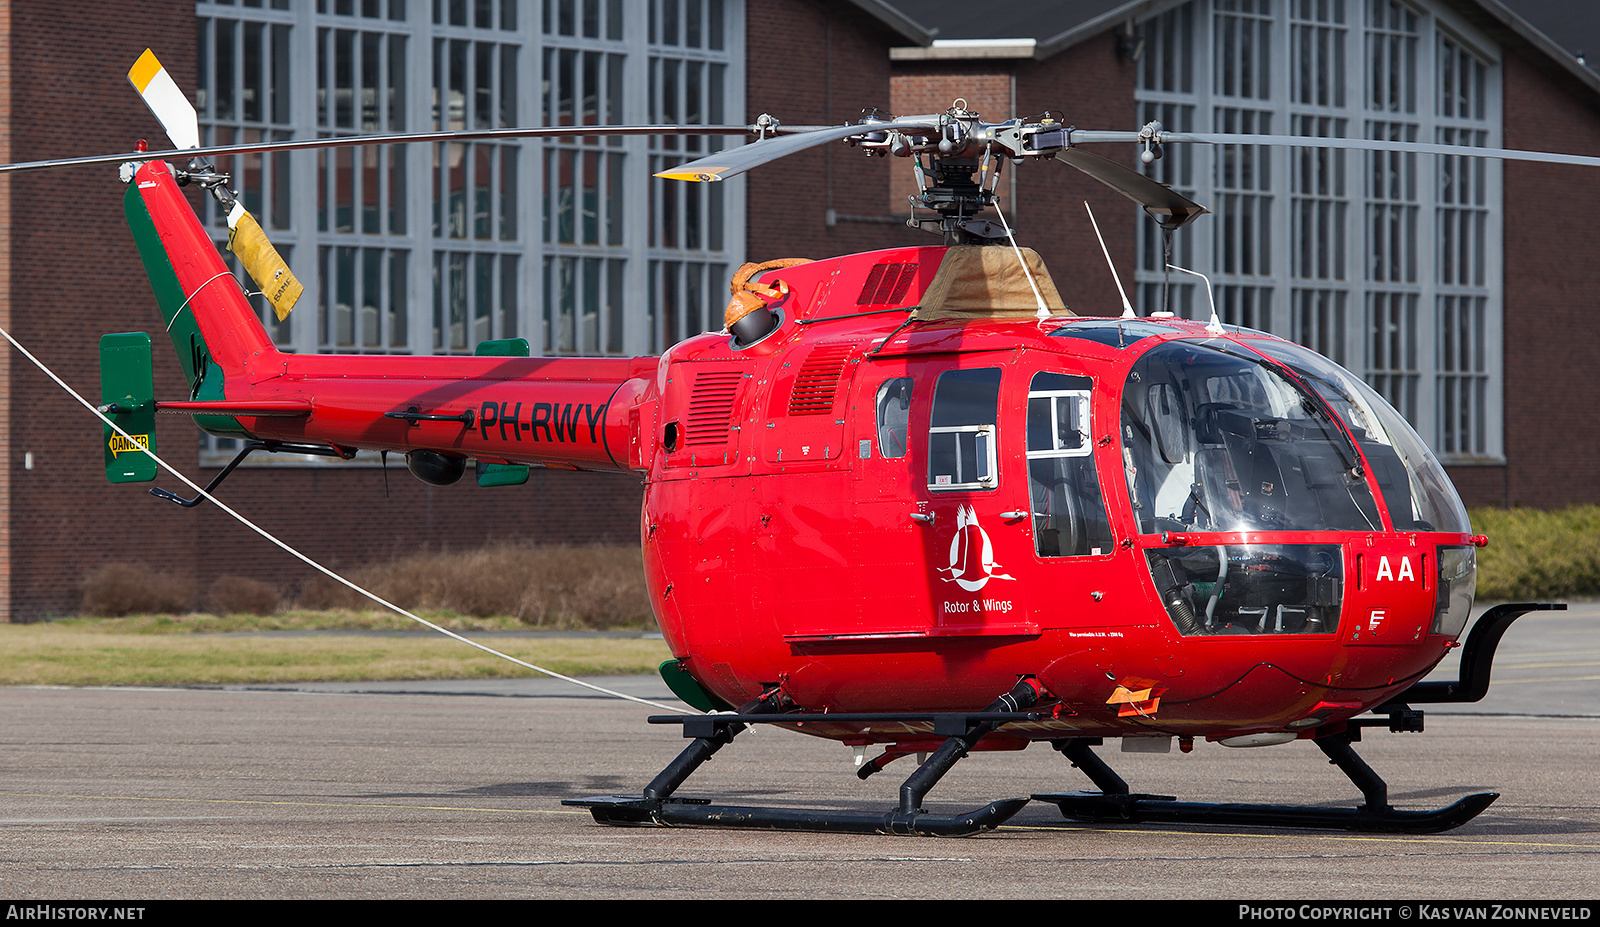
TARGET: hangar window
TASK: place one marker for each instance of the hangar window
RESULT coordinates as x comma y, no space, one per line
1387,262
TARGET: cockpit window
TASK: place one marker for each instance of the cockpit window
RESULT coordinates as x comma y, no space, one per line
1250,589
1169,429
1218,439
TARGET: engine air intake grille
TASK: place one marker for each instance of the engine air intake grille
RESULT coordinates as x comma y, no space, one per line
887,284
818,378
711,407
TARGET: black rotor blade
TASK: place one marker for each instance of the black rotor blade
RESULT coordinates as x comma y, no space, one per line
1167,206
727,163
354,141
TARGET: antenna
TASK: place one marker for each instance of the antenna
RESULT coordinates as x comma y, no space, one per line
1215,325
1127,307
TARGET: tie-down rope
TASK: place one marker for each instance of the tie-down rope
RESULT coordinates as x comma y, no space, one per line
312,563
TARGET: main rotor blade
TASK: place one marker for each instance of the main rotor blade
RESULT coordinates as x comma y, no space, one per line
1372,144
725,164
356,141
1171,209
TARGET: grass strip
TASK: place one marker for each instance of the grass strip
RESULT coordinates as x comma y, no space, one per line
297,620
56,654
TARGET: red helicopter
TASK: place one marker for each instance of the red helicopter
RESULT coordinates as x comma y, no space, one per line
908,502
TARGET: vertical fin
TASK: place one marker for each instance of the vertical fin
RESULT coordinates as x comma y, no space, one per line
127,394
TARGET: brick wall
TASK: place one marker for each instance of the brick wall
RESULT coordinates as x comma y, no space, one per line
921,88
74,275
8,458
1090,87
1552,435
69,273
1550,286
78,276
812,63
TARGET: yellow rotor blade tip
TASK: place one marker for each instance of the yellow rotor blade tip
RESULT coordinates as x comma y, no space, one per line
703,174
144,70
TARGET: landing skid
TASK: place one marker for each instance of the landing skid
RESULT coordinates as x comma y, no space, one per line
712,732
674,812
1115,803
1143,809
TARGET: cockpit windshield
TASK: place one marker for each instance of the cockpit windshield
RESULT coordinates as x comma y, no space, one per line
1415,489
1216,438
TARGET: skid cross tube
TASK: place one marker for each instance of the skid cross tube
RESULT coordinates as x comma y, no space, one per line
705,745
711,732
1023,695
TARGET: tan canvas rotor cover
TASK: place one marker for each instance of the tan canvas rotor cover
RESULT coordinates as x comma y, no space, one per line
987,282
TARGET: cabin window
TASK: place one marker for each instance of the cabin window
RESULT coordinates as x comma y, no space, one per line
1069,513
894,413
961,437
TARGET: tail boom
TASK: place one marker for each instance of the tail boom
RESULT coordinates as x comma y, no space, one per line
570,412
563,412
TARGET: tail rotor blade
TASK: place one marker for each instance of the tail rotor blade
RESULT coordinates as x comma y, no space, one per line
266,267
162,94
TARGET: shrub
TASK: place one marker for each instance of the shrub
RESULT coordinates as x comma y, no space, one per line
557,587
234,595
119,589
1534,554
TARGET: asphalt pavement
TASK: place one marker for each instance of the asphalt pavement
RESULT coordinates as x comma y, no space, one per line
454,789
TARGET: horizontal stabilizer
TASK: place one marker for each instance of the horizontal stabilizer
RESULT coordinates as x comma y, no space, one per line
280,408
502,474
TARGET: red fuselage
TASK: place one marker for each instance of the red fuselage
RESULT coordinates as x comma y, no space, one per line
784,547
873,554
